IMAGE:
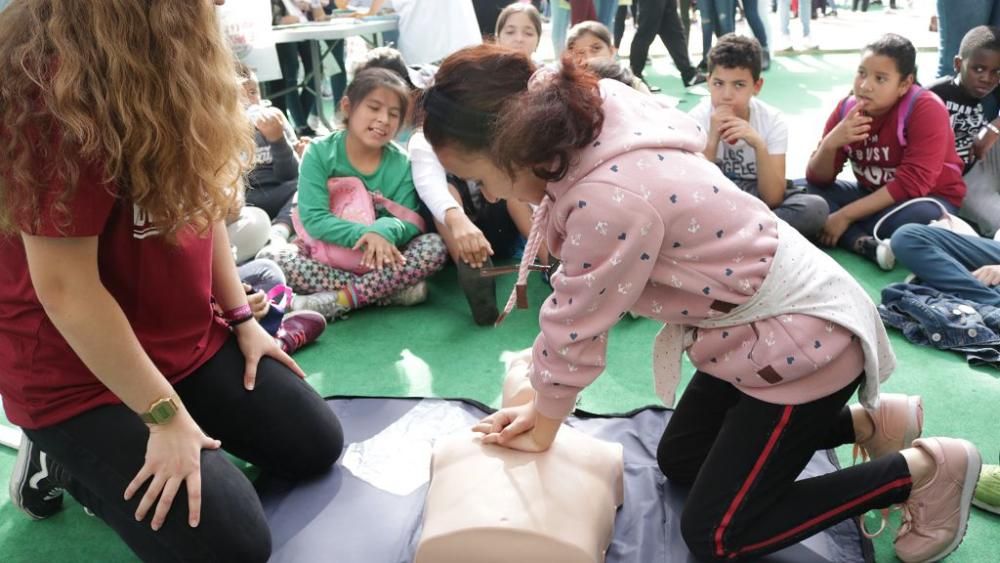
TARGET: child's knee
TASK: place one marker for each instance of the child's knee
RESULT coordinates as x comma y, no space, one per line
906,240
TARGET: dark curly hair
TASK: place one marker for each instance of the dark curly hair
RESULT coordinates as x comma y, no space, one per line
736,51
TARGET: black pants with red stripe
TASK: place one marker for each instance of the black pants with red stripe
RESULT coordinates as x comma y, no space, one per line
741,457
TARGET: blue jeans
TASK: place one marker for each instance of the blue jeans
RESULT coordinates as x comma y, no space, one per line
751,11
560,25
805,15
945,260
842,193
716,17
606,10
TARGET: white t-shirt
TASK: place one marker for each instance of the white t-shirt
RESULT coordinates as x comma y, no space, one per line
739,161
430,30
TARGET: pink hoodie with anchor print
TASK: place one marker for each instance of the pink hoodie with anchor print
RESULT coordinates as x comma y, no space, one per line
643,223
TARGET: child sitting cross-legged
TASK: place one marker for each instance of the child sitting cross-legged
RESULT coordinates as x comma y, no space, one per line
396,257
899,141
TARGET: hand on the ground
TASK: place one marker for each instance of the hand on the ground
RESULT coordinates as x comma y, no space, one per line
271,124
853,128
733,129
173,457
259,304
255,343
514,428
835,226
989,275
378,252
473,248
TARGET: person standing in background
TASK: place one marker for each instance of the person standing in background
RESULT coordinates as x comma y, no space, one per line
660,17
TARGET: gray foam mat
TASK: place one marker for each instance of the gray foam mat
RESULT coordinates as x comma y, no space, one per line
368,508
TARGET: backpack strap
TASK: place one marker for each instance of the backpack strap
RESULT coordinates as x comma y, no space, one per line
904,110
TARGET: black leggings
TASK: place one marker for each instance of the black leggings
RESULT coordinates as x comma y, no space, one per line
741,456
282,426
660,17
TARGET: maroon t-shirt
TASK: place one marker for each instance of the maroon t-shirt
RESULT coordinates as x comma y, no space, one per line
927,166
163,288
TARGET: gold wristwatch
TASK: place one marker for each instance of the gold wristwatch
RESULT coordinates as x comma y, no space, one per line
160,411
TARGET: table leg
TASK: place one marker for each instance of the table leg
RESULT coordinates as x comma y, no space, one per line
318,77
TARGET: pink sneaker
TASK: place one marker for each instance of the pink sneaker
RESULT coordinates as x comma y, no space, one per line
300,328
898,421
936,514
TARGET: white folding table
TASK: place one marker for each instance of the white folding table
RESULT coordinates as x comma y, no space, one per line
371,29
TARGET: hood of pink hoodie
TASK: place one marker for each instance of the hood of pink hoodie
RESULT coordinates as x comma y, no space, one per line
632,120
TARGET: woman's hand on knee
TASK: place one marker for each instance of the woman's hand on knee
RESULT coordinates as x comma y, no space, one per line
173,457
255,343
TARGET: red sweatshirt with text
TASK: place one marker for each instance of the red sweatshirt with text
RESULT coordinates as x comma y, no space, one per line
927,166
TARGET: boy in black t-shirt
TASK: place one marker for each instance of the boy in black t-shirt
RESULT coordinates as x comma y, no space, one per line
977,73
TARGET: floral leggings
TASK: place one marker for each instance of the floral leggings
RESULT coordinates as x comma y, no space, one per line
425,255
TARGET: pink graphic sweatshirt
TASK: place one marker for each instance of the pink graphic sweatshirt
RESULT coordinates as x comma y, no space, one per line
643,223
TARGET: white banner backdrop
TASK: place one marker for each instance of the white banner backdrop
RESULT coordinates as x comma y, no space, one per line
247,24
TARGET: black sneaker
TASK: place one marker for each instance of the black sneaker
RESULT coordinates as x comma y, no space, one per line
653,89
765,60
480,292
867,247
32,488
695,80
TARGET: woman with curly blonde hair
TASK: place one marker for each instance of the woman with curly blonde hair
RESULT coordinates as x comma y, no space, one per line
122,147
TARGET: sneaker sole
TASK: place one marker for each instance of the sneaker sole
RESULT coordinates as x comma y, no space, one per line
983,506
968,490
18,477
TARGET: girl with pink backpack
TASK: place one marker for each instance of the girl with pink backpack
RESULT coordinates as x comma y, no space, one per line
359,229
898,139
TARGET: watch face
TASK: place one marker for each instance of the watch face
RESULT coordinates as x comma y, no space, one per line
162,411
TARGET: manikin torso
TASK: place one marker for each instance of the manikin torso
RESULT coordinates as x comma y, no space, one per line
487,503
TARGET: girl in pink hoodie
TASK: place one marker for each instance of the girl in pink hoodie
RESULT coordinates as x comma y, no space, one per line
781,336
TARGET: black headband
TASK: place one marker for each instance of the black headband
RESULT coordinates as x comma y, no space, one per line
460,121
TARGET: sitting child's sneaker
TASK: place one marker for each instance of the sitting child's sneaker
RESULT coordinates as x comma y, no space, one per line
407,297
326,303
300,328
878,252
898,421
32,488
987,494
884,256
937,513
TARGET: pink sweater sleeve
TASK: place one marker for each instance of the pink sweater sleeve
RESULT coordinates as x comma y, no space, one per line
610,239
